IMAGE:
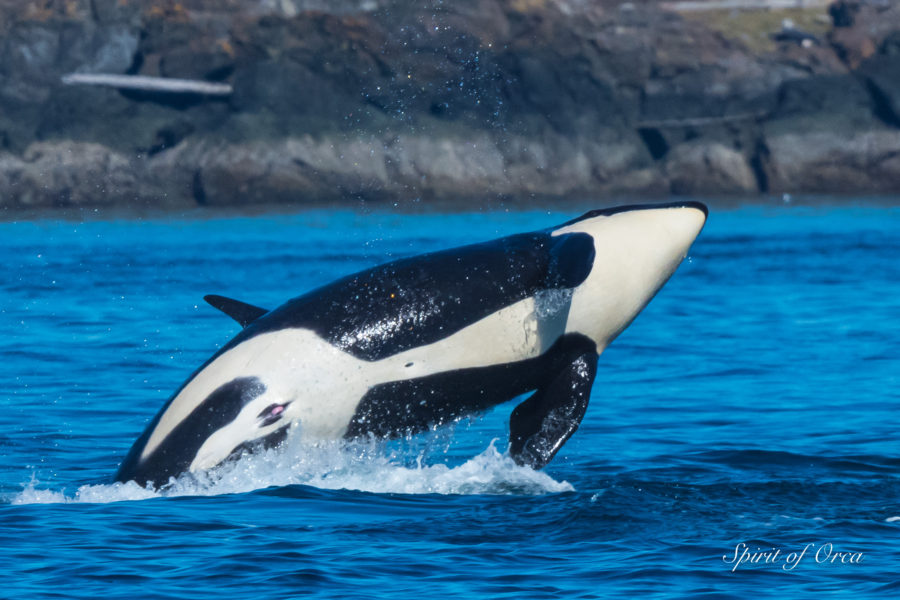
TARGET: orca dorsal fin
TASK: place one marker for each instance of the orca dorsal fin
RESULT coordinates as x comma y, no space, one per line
241,312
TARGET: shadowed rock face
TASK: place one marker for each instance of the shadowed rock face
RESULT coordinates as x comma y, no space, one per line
390,100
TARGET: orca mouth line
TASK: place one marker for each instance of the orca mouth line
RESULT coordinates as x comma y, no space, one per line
272,413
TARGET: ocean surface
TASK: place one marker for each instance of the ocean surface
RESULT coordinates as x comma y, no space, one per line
754,405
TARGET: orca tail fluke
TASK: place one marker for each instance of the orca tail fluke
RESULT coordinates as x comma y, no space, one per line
241,312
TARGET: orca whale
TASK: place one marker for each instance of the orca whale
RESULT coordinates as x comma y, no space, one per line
423,341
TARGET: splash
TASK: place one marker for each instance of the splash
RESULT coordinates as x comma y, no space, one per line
552,302
331,466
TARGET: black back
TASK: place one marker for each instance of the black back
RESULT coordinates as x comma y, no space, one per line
419,300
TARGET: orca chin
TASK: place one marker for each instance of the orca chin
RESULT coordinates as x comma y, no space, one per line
423,341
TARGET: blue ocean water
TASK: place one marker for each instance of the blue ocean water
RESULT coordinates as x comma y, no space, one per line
753,405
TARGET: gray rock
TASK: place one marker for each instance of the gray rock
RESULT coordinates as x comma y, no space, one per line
67,174
836,161
821,101
110,49
882,75
709,168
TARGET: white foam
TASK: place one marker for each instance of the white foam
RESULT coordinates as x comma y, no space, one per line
548,303
333,466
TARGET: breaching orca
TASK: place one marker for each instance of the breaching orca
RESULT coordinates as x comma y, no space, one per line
426,340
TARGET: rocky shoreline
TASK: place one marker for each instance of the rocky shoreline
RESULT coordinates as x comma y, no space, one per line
475,99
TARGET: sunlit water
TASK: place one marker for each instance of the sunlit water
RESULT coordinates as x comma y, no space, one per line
755,401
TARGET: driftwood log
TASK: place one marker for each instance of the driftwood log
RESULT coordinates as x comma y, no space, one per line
149,84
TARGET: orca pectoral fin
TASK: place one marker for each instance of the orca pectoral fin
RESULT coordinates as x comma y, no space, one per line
241,312
540,425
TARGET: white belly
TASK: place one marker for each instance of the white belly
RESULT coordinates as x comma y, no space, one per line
325,384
